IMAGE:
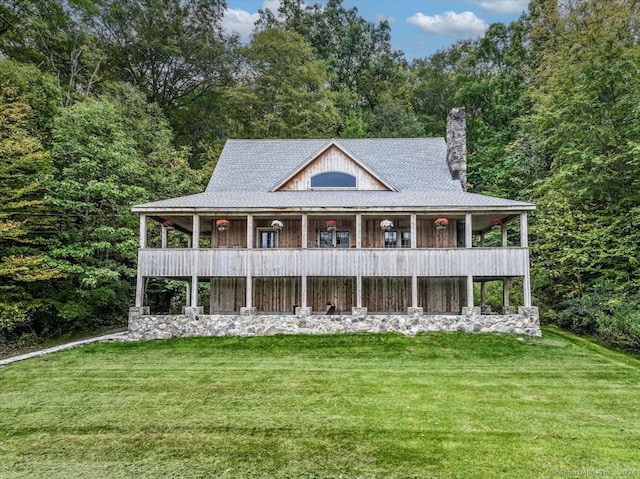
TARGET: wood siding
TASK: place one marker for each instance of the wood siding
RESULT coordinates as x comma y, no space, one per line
442,295
234,237
340,292
487,262
334,160
227,295
386,294
379,294
276,294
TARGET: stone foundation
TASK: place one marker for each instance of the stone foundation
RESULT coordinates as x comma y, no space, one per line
147,326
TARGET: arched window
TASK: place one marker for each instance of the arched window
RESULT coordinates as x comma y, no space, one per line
333,179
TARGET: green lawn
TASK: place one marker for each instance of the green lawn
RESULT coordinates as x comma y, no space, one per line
351,406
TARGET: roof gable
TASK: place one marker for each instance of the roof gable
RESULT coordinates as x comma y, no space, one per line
333,157
405,164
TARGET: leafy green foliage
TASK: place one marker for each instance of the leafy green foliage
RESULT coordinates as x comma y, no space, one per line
25,168
286,95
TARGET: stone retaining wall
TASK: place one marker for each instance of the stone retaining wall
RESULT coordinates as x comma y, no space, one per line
143,326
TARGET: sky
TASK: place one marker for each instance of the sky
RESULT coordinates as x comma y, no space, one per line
418,27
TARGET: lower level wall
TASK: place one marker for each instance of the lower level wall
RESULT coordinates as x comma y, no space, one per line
146,326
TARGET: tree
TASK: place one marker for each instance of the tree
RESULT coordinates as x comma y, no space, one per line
171,49
25,167
110,152
54,36
585,124
284,93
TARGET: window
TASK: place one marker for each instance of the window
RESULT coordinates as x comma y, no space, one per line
333,179
325,239
342,239
406,239
331,239
268,238
390,239
397,239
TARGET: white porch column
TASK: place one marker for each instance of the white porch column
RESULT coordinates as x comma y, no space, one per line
303,291
195,235
470,291
139,290
505,292
248,301
140,279
359,234
249,287
195,243
414,235
305,233
524,231
163,238
249,231
468,231
143,231
359,291
194,290
505,242
414,291
524,243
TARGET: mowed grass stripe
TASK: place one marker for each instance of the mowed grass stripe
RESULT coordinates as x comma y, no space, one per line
441,405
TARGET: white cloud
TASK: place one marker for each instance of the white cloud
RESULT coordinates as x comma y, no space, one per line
502,6
463,25
242,22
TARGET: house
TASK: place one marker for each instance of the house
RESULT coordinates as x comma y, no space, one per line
379,232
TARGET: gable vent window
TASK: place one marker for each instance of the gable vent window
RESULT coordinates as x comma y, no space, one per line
333,179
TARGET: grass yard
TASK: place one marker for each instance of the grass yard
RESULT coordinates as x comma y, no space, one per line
345,406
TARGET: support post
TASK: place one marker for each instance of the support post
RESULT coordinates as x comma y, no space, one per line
195,234
303,291
248,301
483,293
139,290
414,234
358,231
468,231
249,290
469,291
359,291
143,231
188,295
524,243
163,237
249,231
305,231
194,290
505,292
505,241
524,231
414,291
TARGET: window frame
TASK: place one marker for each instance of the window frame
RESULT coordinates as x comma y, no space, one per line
400,238
355,178
275,238
334,238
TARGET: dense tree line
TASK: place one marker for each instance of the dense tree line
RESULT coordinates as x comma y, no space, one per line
109,103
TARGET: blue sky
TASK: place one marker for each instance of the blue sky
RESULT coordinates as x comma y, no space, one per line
418,27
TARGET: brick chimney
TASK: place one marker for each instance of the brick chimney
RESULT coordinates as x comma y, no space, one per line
457,145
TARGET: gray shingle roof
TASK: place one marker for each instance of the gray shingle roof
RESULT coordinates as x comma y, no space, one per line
406,163
416,167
